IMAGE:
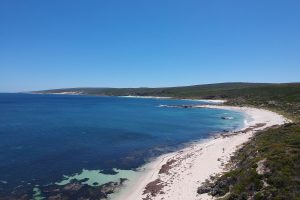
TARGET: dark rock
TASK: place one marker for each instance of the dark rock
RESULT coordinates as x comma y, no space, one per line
109,171
219,188
204,189
122,180
79,190
288,125
109,188
73,187
83,180
95,183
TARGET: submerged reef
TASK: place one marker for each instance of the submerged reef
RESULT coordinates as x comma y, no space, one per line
75,189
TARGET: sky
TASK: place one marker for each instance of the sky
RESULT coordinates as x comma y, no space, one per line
147,43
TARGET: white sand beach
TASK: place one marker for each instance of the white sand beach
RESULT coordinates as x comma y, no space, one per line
145,97
213,101
176,176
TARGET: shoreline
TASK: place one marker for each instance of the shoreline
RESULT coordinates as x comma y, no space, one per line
178,175
214,101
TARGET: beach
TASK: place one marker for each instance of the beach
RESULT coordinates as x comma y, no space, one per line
211,101
177,175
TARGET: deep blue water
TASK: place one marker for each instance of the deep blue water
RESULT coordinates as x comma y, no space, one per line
43,137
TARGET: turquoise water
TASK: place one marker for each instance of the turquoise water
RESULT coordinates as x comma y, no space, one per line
55,138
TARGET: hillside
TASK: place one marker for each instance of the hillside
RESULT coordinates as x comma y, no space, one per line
205,91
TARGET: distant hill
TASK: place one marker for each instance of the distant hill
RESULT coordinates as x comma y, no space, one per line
204,91
283,97
183,91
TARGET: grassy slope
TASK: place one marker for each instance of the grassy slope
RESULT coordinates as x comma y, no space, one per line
280,146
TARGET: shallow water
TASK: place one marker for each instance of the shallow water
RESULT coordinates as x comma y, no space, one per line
51,138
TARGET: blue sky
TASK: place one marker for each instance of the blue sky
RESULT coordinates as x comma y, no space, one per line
67,43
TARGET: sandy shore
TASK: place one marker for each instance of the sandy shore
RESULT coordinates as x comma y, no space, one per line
176,176
145,97
214,101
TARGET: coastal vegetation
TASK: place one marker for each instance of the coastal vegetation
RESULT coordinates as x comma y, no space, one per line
266,167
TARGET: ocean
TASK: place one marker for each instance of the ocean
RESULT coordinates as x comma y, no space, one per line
56,139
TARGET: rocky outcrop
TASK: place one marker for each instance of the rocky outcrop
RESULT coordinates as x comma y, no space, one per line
217,189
